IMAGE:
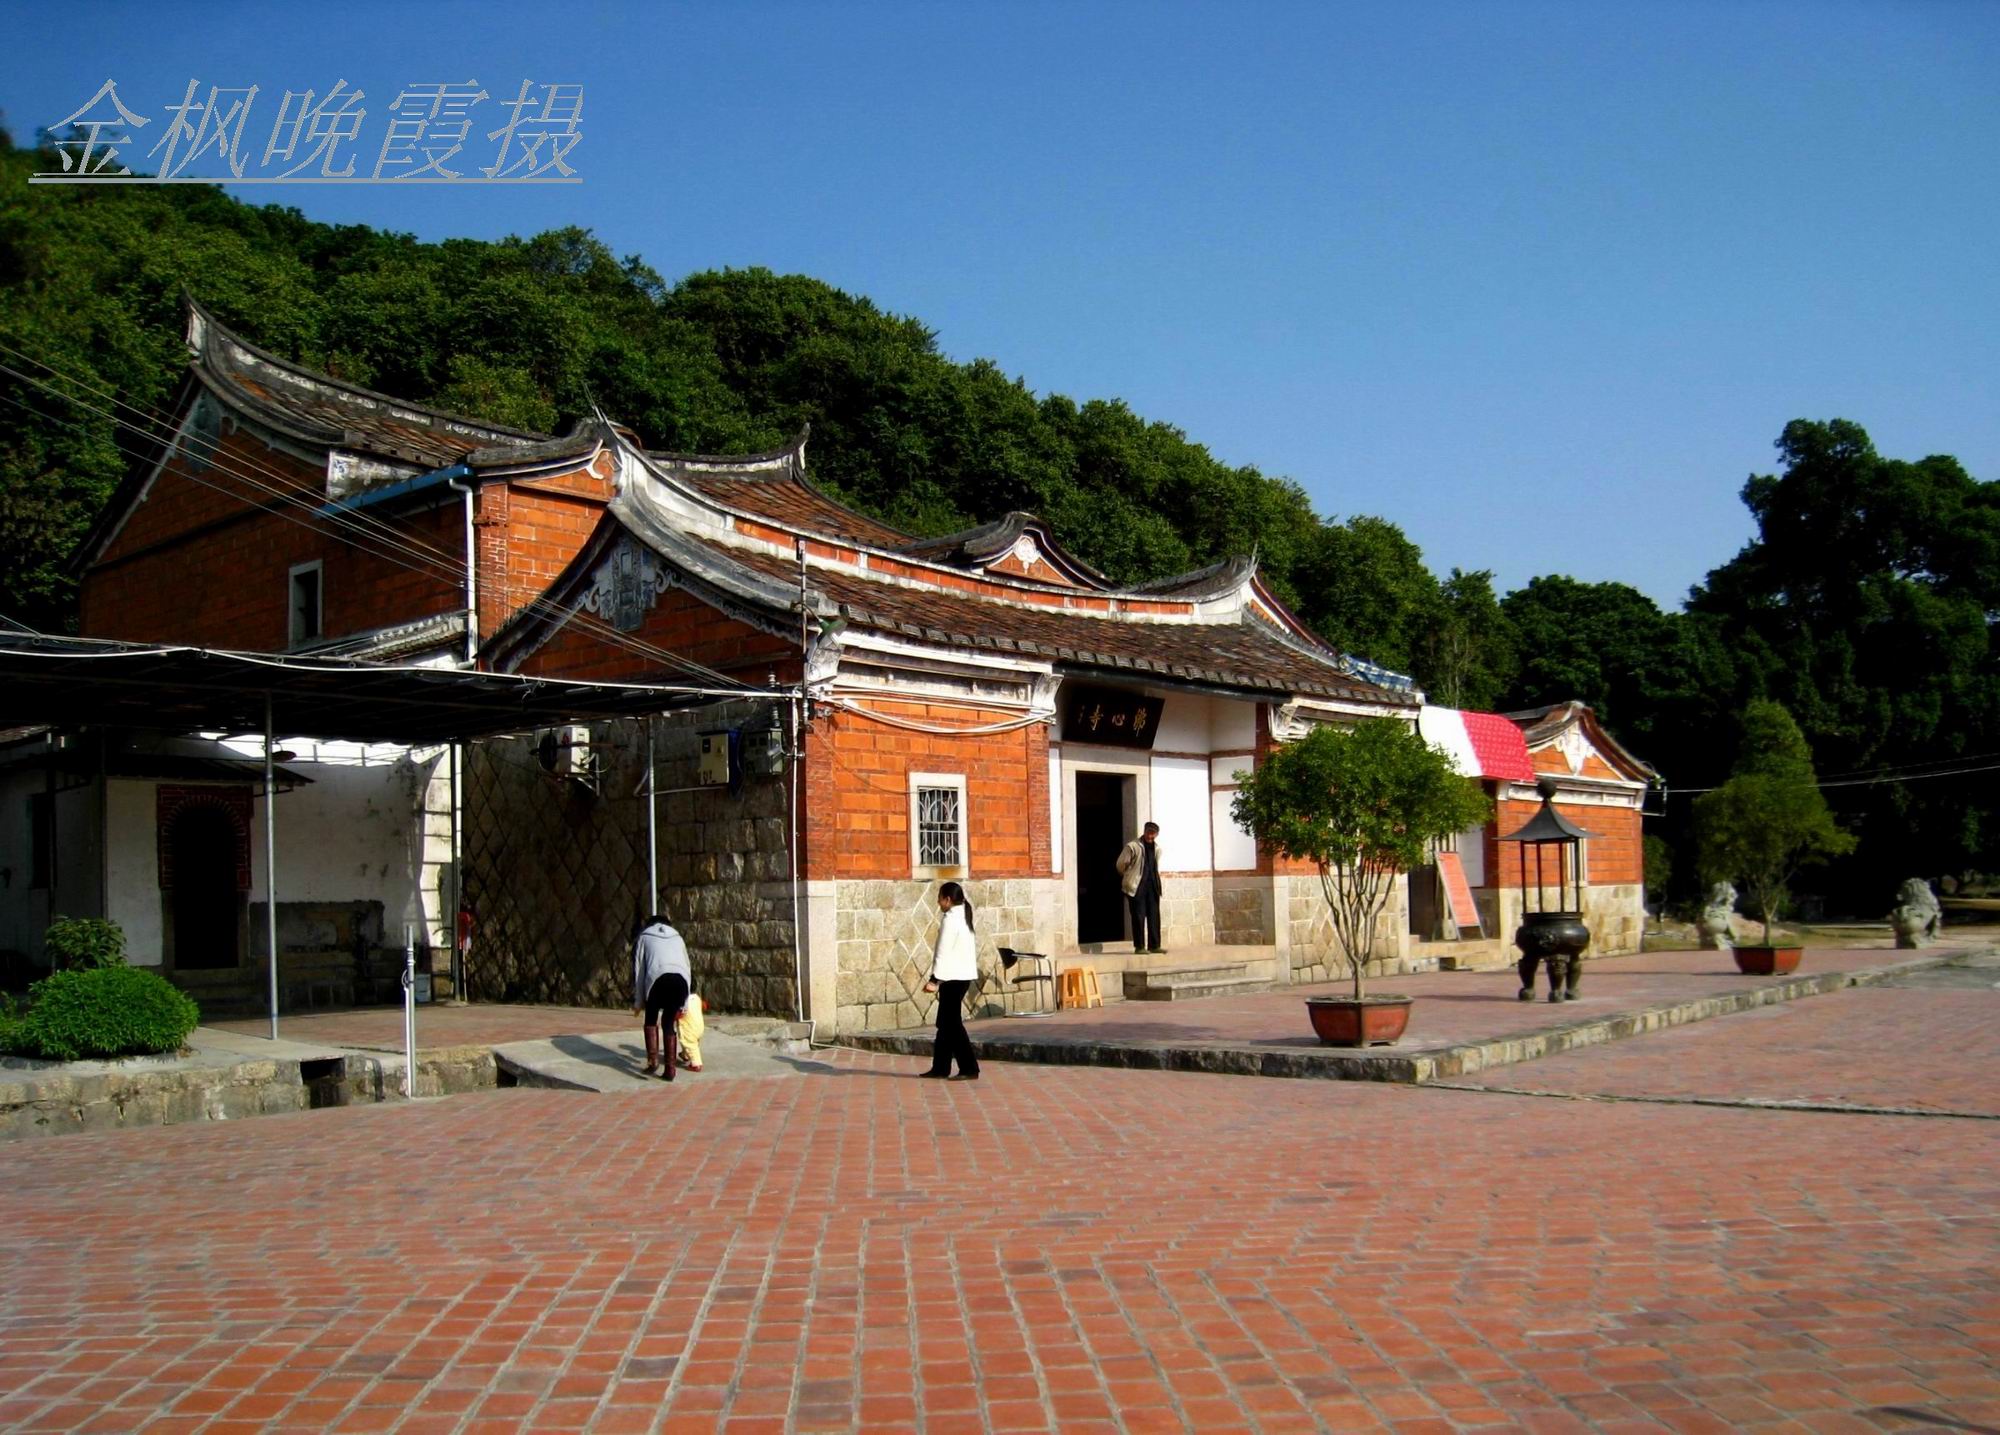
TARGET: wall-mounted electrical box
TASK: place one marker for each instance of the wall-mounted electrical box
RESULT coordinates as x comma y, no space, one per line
764,751
716,766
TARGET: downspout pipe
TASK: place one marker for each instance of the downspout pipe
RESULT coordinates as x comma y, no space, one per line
458,479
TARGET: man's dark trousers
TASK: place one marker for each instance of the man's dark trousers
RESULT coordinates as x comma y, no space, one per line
1145,905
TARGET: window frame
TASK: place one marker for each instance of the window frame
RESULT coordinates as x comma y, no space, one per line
952,781
294,638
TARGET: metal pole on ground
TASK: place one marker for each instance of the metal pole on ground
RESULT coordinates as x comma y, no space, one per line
652,829
271,860
409,1010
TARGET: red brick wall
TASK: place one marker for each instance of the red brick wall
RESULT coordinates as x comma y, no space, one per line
204,558
1615,854
681,624
858,792
527,533
207,561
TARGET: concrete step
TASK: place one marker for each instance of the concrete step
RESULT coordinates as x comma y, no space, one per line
1165,984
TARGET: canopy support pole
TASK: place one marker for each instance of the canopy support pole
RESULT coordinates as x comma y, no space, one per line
652,830
271,861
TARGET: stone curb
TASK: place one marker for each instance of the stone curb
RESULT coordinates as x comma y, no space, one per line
1415,1068
1740,1103
45,1101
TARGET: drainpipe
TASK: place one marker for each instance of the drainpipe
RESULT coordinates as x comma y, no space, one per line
458,479
455,479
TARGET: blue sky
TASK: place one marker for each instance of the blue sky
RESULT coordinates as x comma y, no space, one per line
1538,282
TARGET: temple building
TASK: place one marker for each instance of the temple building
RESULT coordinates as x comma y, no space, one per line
982,707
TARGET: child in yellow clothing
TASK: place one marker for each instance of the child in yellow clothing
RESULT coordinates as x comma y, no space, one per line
688,1028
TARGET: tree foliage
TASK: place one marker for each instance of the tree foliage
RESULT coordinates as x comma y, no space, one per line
1865,603
1769,819
1363,805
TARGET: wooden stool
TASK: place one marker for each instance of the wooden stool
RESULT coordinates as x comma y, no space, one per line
1077,987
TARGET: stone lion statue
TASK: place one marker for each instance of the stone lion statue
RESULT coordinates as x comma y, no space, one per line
1917,916
1713,924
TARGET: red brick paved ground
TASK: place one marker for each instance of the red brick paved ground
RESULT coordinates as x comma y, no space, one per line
1452,1007
1931,1049
1065,1248
381,1028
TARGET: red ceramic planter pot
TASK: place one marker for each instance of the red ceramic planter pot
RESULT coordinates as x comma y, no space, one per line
1768,961
1372,1021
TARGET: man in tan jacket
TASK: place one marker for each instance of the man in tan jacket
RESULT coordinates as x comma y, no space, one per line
1139,876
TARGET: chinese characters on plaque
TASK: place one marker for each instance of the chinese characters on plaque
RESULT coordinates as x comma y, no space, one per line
425,134
1111,717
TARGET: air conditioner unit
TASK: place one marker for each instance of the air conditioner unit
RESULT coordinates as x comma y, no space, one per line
565,751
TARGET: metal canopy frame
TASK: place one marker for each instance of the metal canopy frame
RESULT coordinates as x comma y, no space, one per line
92,682
79,682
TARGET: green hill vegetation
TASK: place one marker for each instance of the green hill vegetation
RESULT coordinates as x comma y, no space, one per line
1866,605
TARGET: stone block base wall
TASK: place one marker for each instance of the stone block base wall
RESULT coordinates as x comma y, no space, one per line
885,932
1316,954
1614,912
556,871
1243,915
1187,911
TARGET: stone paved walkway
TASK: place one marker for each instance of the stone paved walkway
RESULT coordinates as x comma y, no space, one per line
1846,1048
1453,1008
1051,1248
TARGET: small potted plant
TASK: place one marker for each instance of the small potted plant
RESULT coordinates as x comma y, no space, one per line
1764,823
1363,805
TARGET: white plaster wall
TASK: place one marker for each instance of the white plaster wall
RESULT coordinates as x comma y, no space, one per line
355,834
1181,807
132,872
1233,725
1184,724
1235,849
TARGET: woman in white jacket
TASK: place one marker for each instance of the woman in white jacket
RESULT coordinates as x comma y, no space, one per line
954,968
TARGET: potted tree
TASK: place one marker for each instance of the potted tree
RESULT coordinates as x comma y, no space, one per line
1363,805
1763,824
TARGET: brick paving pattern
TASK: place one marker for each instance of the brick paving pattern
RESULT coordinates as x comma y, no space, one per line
1928,1049
1452,1007
1053,1248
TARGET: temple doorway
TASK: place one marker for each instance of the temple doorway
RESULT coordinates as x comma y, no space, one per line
1104,806
206,910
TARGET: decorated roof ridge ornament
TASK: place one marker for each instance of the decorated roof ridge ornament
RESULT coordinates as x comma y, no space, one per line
224,358
791,452
1026,536
1212,581
1548,825
1545,724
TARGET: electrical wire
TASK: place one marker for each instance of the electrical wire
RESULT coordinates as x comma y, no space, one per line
371,539
443,566
1859,781
290,491
948,730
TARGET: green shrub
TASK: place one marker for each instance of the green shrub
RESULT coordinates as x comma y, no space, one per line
81,943
103,1011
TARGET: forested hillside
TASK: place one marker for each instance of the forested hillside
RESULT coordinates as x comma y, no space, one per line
1866,605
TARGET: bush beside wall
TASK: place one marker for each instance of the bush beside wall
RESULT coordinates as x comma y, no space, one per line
101,1012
